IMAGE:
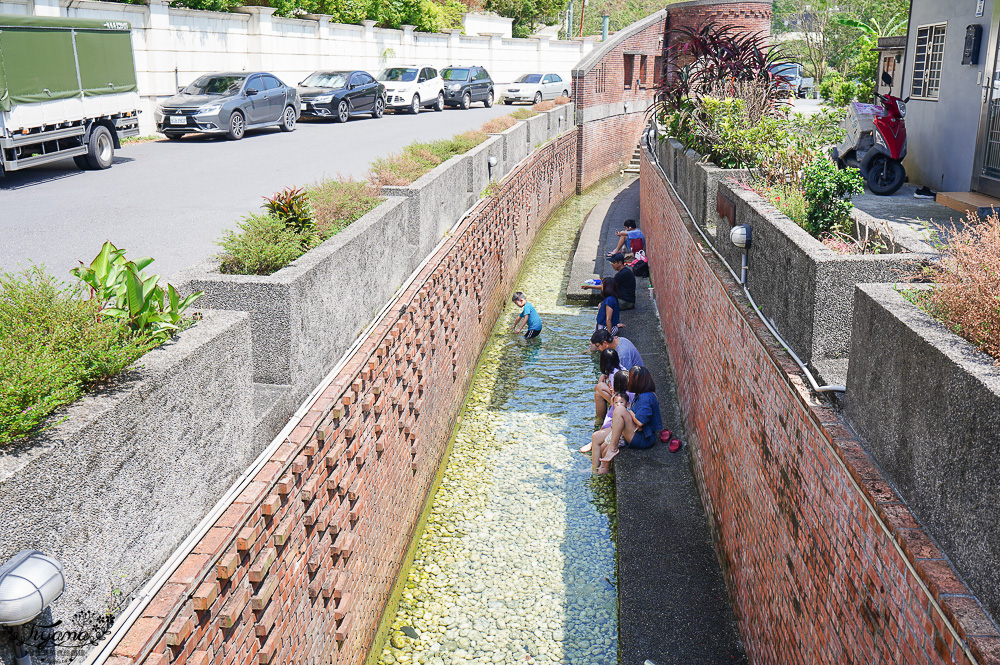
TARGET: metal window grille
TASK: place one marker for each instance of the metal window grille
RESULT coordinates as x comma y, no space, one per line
927,61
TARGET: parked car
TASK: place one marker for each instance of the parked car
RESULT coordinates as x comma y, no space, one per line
339,95
410,87
464,85
534,88
67,89
792,79
229,103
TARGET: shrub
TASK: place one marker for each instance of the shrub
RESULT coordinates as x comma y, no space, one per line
527,112
829,85
845,93
723,131
337,203
828,191
499,124
263,245
53,347
292,206
560,100
123,291
968,297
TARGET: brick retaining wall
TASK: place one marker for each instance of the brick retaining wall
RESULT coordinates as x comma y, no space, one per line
823,561
301,566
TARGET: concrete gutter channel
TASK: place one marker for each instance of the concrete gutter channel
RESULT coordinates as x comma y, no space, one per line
672,599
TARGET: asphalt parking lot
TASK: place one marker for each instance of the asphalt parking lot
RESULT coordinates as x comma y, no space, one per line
171,200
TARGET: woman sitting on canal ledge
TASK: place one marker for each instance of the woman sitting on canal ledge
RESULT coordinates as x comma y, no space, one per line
636,427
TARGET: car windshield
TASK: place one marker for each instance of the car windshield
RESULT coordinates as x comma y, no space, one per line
529,78
784,70
326,80
399,74
455,74
215,85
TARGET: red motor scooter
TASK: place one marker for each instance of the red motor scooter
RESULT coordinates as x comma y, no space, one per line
876,142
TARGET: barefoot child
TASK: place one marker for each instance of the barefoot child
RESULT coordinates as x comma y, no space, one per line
528,315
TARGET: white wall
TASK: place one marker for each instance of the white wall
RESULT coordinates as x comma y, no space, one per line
487,24
173,46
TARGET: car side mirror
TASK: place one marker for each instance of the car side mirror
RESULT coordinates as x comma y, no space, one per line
887,79
252,91
180,88
422,79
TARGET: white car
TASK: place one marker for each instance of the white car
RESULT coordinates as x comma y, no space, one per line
410,87
534,88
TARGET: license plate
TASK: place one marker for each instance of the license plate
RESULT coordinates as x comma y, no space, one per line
302,107
178,120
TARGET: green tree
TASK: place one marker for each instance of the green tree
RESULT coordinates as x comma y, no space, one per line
528,15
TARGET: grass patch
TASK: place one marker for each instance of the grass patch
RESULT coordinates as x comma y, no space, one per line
338,203
131,140
262,245
418,158
788,199
53,348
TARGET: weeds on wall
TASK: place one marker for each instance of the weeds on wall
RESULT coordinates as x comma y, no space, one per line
296,220
54,346
967,299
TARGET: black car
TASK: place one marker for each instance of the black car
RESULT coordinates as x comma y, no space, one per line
339,95
464,85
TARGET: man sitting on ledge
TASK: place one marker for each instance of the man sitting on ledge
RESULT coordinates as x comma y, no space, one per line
628,357
625,280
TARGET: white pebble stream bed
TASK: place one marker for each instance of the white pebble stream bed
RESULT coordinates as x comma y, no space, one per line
517,560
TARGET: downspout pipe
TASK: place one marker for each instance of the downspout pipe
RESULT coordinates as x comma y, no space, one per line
648,137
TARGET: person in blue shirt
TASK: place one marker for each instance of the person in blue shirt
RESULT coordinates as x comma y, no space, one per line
609,310
636,241
528,315
637,427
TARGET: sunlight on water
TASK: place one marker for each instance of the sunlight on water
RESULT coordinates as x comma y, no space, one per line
517,563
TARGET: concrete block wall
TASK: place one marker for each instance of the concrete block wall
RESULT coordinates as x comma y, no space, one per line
173,45
927,405
805,288
823,560
126,472
301,566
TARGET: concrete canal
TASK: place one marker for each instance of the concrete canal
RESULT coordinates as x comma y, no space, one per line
517,560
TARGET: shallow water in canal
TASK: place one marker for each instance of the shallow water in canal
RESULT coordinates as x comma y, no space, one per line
517,562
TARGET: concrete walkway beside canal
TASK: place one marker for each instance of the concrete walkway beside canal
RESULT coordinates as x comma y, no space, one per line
673,605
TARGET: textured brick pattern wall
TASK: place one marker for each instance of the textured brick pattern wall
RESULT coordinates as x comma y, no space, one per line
754,17
823,561
300,567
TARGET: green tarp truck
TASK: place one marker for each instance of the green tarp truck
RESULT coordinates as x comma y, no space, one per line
67,89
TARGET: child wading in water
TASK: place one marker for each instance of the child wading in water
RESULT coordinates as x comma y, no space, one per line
528,315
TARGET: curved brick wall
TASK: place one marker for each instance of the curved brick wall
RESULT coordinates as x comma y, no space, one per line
823,560
613,87
301,567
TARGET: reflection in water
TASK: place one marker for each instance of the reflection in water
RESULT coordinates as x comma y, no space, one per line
517,563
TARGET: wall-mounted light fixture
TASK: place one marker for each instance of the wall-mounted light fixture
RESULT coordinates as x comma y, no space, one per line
491,161
740,236
29,582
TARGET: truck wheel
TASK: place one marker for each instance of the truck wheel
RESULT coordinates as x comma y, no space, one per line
237,126
100,148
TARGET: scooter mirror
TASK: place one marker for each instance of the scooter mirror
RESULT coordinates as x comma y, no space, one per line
887,78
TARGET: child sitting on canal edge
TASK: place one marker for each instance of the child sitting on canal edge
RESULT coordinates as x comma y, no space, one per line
528,314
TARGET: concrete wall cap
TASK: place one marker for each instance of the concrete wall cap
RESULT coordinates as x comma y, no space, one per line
594,57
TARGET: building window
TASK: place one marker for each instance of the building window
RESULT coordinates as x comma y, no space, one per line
629,62
602,79
657,69
927,60
642,70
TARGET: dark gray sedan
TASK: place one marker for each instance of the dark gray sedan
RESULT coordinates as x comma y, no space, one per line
339,95
229,103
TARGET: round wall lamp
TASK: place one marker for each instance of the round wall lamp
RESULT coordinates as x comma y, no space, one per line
491,161
29,583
